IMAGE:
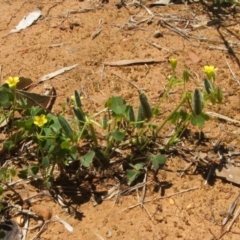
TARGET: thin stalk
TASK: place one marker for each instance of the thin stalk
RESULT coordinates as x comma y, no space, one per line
40,151
11,116
92,130
98,113
183,125
81,133
165,93
144,145
110,139
175,110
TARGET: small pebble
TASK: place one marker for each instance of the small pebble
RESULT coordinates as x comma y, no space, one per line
157,34
171,201
109,234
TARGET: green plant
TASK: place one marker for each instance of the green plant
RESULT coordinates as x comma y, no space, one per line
227,1
57,138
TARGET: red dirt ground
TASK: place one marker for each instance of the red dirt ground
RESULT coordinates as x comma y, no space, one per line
62,38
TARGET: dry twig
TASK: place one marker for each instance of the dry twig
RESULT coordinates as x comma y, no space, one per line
233,74
157,198
231,223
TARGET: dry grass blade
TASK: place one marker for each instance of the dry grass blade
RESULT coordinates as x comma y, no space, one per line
223,49
84,10
131,189
233,74
134,61
231,223
156,45
222,117
58,72
157,198
54,219
230,210
98,236
25,227
96,33
144,189
176,29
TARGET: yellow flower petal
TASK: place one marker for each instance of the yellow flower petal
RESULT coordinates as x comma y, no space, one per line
12,81
173,62
40,120
210,71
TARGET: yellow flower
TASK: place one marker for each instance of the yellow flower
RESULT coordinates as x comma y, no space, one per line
173,62
73,98
40,120
12,81
210,71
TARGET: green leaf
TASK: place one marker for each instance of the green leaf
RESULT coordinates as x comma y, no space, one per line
87,159
147,111
132,175
1,208
205,116
12,171
45,162
2,234
53,121
219,95
77,99
140,117
129,114
208,86
1,190
118,136
104,122
80,115
66,127
152,127
186,75
5,101
117,105
137,166
73,149
183,114
65,145
158,160
197,120
23,174
33,111
174,117
47,145
33,170
8,145
155,111
197,102
25,123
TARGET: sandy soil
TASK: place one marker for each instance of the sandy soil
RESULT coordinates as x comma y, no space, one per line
63,37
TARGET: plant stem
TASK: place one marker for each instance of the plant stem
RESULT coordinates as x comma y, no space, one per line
93,134
169,117
165,93
181,128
